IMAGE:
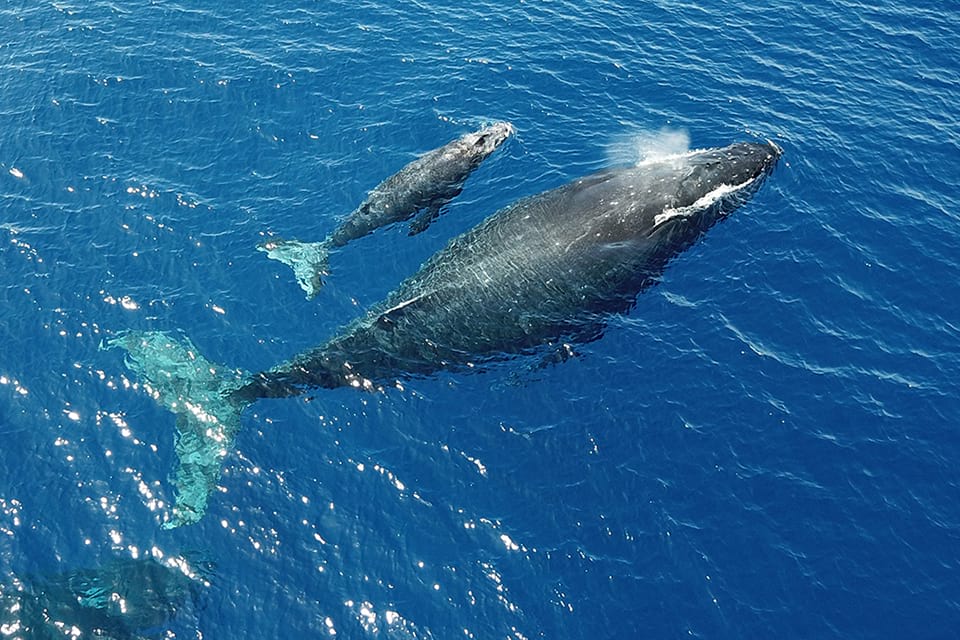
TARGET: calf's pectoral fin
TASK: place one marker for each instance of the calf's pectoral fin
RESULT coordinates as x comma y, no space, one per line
425,219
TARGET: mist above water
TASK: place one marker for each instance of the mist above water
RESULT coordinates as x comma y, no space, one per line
648,146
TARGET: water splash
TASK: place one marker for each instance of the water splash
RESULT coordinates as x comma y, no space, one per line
637,148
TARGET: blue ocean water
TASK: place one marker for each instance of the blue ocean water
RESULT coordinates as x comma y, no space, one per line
764,446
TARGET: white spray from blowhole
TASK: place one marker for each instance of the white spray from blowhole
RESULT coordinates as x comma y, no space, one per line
636,148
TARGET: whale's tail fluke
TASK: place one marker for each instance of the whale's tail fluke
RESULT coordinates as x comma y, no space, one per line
200,394
309,261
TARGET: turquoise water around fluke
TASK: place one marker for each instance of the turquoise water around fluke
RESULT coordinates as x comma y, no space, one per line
197,391
309,261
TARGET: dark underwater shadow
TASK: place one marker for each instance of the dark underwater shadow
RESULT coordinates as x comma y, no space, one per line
123,599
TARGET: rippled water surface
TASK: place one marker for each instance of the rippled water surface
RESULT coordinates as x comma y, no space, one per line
764,446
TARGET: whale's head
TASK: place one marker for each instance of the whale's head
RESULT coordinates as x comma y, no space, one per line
726,170
485,141
709,183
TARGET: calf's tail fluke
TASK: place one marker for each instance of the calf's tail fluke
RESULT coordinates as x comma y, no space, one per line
201,395
309,261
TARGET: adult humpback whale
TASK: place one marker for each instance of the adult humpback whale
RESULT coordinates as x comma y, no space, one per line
546,269
425,186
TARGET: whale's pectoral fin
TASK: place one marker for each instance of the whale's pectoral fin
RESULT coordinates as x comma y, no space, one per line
425,219
198,392
309,261
560,354
530,372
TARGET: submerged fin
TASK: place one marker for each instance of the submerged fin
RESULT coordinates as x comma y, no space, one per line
558,355
309,261
424,220
199,393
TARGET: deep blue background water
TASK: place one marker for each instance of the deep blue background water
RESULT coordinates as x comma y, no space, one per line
765,446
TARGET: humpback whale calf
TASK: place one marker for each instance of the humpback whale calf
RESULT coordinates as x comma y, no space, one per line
546,270
425,186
